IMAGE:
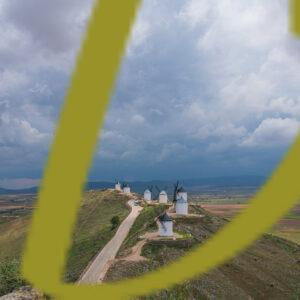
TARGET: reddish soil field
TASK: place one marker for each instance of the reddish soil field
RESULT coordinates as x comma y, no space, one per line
288,227
12,207
289,223
224,210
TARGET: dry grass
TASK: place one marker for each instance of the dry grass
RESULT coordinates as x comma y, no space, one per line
270,269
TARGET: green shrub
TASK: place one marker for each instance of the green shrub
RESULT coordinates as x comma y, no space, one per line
115,221
10,276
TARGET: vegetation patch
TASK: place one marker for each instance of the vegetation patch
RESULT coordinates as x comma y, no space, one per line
12,237
145,222
91,233
10,277
94,228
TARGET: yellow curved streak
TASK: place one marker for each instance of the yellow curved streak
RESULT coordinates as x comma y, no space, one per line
70,159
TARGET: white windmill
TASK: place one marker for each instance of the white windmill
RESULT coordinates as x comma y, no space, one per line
162,196
126,189
181,200
118,186
148,194
165,225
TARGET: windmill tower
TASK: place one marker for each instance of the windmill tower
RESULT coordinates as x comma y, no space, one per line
148,194
126,189
118,186
162,196
180,199
165,225
181,193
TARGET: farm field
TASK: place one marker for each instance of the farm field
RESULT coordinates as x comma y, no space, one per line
288,227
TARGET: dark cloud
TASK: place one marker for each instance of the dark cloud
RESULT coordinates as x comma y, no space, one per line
206,88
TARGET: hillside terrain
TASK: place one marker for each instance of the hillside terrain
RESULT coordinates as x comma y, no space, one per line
269,269
92,231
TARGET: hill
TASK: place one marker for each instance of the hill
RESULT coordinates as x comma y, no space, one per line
269,269
92,231
32,190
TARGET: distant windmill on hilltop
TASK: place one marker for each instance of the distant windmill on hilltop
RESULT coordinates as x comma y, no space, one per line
148,193
118,186
126,188
180,199
162,194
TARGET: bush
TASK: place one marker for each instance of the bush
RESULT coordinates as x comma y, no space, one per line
115,221
10,276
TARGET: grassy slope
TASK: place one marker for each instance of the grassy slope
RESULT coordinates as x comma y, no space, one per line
270,269
93,229
92,232
12,237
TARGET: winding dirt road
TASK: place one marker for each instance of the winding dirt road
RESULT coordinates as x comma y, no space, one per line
100,265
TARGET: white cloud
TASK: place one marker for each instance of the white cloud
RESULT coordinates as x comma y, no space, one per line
194,12
139,35
11,81
273,132
137,119
20,132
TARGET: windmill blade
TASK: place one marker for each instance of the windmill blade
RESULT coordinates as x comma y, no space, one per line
175,191
158,189
176,186
162,224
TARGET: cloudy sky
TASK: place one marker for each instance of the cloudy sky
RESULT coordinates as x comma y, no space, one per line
207,88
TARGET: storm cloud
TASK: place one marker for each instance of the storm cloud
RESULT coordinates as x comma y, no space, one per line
206,88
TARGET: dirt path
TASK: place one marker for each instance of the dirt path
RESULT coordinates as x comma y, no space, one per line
98,268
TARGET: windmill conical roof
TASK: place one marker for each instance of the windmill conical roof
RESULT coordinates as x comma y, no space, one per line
147,191
165,218
163,193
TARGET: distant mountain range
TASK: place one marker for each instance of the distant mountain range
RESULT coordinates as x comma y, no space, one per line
189,184
32,190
